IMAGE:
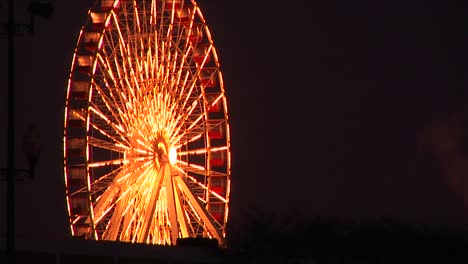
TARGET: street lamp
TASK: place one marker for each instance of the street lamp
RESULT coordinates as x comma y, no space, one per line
30,142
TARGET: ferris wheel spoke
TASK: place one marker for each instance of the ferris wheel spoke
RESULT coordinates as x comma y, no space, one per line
146,16
170,114
201,211
171,58
117,128
171,72
155,58
137,18
202,150
175,120
103,144
198,169
118,77
111,231
107,72
110,104
125,200
176,63
128,221
151,205
194,123
166,197
104,204
182,82
122,67
134,176
191,139
179,66
121,41
112,183
105,181
203,186
181,214
98,185
195,221
185,96
117,161
118,143
110,121
182,117
134,211
171,206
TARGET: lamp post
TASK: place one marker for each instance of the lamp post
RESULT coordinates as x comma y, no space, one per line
31,145
11,137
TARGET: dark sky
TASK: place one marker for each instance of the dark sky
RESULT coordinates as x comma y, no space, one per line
338,108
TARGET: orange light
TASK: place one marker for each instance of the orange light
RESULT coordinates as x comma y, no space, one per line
172,155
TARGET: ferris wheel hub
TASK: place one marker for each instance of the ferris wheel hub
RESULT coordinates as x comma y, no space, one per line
161,150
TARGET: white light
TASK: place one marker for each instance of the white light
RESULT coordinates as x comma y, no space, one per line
172,155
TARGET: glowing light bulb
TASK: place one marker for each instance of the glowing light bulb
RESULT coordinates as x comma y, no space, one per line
172,155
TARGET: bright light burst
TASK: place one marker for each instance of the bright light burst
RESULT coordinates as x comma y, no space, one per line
172,155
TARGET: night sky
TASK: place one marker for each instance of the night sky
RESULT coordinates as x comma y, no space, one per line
338,108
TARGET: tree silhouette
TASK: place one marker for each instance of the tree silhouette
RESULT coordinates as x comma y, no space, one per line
268,236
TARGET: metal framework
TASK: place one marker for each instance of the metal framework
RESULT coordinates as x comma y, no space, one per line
146,134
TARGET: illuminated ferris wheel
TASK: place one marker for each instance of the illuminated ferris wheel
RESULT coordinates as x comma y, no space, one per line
146,134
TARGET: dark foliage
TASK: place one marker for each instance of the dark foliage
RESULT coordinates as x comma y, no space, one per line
330,240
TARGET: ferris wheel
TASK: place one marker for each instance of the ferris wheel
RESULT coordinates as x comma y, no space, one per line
146,135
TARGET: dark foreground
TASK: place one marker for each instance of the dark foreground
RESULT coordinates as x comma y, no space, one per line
267,240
